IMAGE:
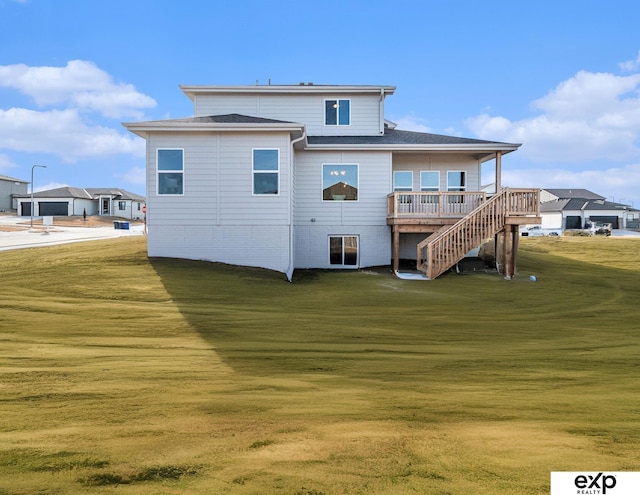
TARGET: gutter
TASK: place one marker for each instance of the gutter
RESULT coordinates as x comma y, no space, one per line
290,268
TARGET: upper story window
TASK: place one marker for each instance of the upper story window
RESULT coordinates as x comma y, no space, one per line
402,180
170,164
266,171
430,180
337,112
456,181
339,182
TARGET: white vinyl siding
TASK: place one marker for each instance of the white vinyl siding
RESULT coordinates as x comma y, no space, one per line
316,220
260,245
304,108
374,183
312,246
219,218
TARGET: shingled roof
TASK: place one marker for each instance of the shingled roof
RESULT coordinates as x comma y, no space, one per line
84,193
576,204
231,118
399,137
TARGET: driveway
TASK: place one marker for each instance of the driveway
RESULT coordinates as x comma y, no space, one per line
625,233
38,237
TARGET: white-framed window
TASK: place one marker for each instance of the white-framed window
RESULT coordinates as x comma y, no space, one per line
430,180
403,180
122,205
337,112
339,182
170,169
266,172
456,180
343,251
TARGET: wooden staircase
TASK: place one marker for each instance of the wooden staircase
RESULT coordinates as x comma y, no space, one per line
443,249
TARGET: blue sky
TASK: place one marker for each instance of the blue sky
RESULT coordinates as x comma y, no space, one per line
561,77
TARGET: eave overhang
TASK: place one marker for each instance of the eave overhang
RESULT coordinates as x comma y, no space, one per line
480,152
192,90
143,129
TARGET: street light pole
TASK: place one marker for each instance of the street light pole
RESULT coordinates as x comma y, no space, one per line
41,166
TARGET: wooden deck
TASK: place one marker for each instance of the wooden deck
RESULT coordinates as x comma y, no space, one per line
459,222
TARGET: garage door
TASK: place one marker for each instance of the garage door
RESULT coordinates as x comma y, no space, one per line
25,210
573,222
612,220
54,208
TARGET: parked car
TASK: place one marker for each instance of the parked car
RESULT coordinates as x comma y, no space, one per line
537,230
599,228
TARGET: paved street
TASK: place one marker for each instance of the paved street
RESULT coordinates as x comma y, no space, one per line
23,239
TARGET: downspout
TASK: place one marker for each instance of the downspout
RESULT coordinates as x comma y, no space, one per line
381,105
290,268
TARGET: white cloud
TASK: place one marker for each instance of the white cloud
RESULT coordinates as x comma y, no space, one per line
63,133
80,84
6,163
412,123
631,65
136,175
592,116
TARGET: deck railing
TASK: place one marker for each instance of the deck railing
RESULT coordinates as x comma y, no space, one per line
410,204
439,252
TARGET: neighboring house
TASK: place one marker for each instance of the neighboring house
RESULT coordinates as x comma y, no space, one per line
70,201
9,188
313,176
569,209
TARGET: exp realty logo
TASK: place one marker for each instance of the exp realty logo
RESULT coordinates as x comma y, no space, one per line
595,483
587,483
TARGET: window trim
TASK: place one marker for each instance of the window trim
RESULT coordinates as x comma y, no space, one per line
254,171
423,187
462,188
403,189
342,238
159,172
337,100
357,187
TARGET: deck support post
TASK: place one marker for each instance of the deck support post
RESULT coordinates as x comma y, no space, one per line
396,248
507,243
498,171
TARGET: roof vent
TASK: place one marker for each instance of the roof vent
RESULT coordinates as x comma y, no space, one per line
309,84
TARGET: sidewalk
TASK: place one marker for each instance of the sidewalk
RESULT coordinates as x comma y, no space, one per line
62,235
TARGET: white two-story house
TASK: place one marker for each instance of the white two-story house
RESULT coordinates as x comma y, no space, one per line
313,176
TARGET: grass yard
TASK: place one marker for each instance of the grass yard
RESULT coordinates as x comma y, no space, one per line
120,374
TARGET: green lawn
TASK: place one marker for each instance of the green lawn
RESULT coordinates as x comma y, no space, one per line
120,374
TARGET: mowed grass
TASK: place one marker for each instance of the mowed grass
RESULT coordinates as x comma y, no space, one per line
120,374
